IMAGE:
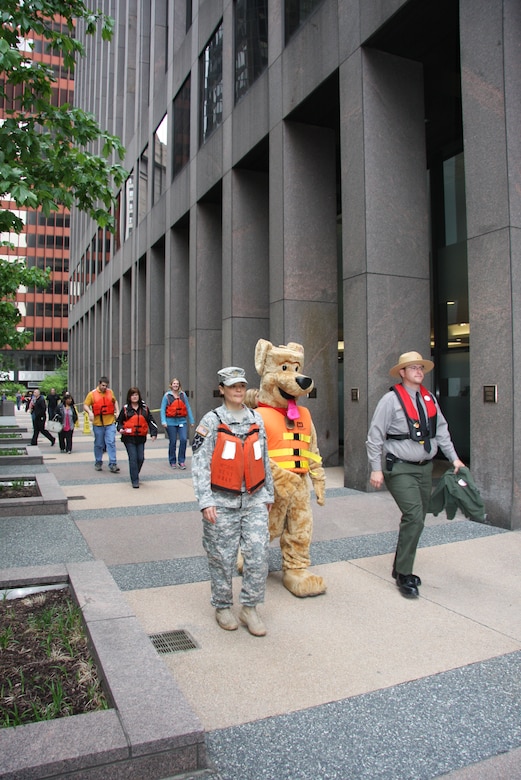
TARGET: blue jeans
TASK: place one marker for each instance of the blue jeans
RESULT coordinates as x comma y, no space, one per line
136,456
105,437
173,432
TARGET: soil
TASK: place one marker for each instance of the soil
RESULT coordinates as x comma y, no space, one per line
22,491
46,669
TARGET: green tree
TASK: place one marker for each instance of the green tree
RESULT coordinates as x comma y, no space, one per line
48,154
59,379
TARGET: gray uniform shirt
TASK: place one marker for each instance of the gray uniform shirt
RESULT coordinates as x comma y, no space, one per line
389,417
202,448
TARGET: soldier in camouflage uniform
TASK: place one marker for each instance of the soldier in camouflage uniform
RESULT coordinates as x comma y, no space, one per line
233,518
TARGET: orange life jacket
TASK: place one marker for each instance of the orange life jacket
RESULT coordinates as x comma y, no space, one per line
135,424
289,448
235,461
103,403
412,416
176,408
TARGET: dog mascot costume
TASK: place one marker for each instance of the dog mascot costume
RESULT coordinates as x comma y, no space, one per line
294,454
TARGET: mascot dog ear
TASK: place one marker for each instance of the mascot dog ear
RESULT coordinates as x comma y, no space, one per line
265,350
261,351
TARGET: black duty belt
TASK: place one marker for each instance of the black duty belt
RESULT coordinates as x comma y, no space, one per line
413,462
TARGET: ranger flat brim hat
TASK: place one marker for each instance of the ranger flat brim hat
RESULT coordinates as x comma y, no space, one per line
410,359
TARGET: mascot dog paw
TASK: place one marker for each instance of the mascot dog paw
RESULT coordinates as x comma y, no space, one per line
294,457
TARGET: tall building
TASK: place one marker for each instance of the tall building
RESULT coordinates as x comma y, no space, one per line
44,243
341,174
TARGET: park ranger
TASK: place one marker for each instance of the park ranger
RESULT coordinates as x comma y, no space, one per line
234,488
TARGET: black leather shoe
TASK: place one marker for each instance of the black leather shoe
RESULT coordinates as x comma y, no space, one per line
414,576
407,583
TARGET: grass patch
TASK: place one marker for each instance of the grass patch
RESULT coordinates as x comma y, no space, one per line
46,670
12,451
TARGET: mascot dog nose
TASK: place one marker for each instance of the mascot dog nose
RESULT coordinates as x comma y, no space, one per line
304,382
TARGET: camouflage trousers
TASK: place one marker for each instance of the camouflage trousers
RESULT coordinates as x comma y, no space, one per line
247,527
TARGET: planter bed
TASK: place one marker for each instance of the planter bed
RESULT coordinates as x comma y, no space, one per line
151,730
16,438
51,501
29,456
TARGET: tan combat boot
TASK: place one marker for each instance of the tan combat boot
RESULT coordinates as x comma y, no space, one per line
226,619
250,618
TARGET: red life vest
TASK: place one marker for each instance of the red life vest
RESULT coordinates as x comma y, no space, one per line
103,403
289,447
411,414
176,408
235,461
135,424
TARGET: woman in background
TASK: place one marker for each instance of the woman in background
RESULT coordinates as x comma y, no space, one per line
134,422
68,416
176,414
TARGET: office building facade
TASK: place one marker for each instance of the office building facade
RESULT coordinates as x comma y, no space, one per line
340,174
43,243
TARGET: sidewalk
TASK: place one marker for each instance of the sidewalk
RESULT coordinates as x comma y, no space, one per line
358,683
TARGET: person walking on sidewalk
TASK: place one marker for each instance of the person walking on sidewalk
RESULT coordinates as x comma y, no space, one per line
233,485
134,422
52,403
102,409
176,415
405,433
38,409
68,416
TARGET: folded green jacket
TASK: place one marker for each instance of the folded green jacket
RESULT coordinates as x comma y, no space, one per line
458,491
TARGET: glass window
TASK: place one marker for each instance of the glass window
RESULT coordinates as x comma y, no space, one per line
211,81
296,12
251,43
182,127
160,154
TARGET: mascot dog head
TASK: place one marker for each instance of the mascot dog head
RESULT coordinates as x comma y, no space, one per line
281,379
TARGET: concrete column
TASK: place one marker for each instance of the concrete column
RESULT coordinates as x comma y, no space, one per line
303,263
156,294
99,356
115,322
140,321
177,308
245,267
385,235
491,101
205,355
126,329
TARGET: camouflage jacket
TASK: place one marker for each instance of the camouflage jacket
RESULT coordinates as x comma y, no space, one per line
202,450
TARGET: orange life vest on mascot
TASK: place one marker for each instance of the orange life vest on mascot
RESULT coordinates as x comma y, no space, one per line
289,449
235,461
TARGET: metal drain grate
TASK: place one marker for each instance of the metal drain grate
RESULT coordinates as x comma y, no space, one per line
76,498
173,641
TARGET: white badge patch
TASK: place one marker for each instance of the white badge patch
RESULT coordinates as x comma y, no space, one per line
229,450
257,453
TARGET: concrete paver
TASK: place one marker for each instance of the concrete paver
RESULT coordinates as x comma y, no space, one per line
357,683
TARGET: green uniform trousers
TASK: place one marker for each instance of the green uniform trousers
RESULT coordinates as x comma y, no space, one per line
411,487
